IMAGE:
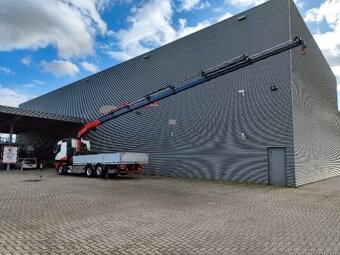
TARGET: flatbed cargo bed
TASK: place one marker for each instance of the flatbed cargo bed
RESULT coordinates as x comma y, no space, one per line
111,158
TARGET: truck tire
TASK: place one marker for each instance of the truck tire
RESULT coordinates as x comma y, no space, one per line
89,171
61,170
99,171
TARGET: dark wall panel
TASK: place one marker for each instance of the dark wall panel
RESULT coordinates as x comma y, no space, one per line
207,140
315,111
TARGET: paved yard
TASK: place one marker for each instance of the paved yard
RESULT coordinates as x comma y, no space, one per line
158,215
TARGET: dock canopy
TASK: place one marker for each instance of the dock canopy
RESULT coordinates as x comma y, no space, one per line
19,120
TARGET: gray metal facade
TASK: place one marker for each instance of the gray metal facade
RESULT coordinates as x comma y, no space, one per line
219,134
316,119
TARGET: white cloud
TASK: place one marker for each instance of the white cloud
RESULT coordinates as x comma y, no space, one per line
28,85
33,84
188,5
218,9
329,10
299,3
225,16
248,3
185,30
69,25
89,67
6,70
244,3
38,82
150,27
336,70
60,68
10,97
26,61
329,42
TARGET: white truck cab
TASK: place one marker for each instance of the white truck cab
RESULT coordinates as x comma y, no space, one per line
66,148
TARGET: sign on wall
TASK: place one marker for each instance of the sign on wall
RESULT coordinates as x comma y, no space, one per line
10,154
105,109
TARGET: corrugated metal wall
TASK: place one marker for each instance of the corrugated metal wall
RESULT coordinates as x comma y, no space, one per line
315,111
207,140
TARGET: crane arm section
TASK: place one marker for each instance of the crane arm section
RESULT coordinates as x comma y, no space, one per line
197,79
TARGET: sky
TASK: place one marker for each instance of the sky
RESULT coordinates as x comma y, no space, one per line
47,44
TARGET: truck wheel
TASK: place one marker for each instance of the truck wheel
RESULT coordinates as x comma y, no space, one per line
89,171
61,170
99,171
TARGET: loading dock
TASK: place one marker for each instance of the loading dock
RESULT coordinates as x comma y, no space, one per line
33,123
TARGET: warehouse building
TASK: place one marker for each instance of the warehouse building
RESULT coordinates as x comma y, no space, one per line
275,122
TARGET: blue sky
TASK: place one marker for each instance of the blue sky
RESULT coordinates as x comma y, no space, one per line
47,44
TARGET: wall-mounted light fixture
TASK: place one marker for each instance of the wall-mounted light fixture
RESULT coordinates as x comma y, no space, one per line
242,92
146,56
243,17
273,87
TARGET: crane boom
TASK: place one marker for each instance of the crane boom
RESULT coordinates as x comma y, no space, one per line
197,79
